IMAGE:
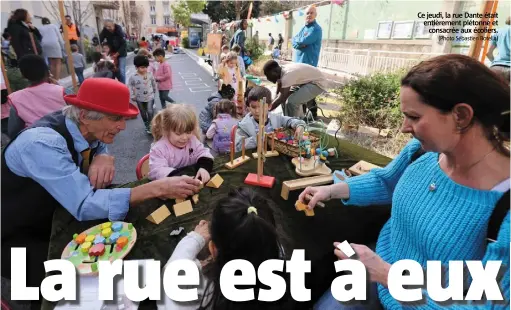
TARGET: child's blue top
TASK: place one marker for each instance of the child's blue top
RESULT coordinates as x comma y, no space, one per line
446,224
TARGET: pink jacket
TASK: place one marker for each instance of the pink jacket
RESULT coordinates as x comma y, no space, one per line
34,102
163,76
5,109
165,157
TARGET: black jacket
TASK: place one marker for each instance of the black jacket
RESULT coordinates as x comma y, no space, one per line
115,40
20,38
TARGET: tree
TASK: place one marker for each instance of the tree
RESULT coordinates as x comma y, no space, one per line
231,10
183,11
126,10
137,19
274,7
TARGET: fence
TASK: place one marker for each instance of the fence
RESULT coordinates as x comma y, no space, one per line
366,61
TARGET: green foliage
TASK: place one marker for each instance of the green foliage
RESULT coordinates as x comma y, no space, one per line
254,49
185,42
372,101
218,10
274,7
183,10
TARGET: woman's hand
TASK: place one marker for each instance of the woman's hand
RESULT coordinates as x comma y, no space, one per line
320,193
376,267
203,175
203,229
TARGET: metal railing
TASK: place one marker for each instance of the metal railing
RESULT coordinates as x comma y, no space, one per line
366,61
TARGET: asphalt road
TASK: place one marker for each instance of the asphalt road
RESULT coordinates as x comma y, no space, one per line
192,85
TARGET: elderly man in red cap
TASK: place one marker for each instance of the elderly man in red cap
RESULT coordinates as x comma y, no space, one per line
47,167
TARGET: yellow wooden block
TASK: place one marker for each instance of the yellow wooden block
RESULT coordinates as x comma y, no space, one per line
362,167
300,206
179,200
237,162
159,215
215,181
183,208
195,198
309,212
267,154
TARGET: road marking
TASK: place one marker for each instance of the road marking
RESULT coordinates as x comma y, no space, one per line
196,83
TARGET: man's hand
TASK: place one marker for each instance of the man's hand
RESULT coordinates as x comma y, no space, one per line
179,187
376,267
101,171
203,175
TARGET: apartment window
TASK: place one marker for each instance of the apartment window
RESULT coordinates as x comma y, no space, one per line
153,8
153,20
167,20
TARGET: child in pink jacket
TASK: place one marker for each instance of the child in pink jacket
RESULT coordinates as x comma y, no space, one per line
163,77
176,135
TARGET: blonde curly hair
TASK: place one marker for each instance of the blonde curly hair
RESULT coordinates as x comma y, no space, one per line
176,118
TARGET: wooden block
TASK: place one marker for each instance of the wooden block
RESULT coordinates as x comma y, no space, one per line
371,131
319,203
300,206
159,215
237,162
309,212
306,167
295,184
267,154
195,198
122,241
215,181
183,208
362,167
179,200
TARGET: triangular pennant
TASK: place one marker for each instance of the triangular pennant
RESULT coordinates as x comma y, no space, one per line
276,20
300,13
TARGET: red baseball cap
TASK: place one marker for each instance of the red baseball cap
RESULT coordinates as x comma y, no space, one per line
104,95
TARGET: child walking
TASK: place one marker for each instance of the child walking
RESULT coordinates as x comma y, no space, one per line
102,67
176,135
220,129
152,63
142,88
78,63
163,76
230,74
243,226
248,127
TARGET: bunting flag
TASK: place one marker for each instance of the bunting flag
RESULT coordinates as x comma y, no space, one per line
268,19
338,2
300,13
259,19
286,14
276,20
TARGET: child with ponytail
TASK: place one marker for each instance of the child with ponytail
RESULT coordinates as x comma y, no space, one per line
176,144
243,226
220,129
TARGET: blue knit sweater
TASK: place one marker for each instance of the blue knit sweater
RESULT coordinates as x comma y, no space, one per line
449,223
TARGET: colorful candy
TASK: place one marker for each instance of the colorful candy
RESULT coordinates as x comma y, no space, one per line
85,247
106,232
97,250
117,226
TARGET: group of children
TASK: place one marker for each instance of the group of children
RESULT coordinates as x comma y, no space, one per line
153,74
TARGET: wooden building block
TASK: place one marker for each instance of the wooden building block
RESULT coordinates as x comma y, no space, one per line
362,167
215,181
295,184
237,162
309,212
179,200
267,154
183,208
195,198
159,215
300,206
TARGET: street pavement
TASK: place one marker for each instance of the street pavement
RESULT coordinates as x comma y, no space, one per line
192,85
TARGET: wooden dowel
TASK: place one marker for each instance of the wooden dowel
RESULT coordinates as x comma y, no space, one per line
273,141
6,80
243,147
232,153
68,47
265,143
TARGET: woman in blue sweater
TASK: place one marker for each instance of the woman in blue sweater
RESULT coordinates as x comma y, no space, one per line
456,110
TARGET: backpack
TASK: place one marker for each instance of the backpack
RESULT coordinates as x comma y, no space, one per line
499,212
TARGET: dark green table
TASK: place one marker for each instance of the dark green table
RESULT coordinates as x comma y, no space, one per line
314,234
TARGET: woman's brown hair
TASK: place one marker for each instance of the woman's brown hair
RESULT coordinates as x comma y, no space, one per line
447,80
177,118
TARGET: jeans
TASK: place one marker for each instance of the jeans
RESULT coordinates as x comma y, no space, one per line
164,96
296,100
328,302
146,111
121,70
79,74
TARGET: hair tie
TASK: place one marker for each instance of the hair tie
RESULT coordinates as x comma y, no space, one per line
251,210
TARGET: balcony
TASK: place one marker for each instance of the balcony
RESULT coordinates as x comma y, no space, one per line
108,5
133,4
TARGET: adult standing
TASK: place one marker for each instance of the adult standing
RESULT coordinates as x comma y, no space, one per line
271,42
62,161
280,41
501,42
114,36
25,38
307,42
52,45
225,32
449,187
73,33
239,37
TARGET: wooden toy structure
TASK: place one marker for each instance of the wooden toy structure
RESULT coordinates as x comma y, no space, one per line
259,179
302,183
159,215
362,167
240,160
306,167
267,153
215,181
104,242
